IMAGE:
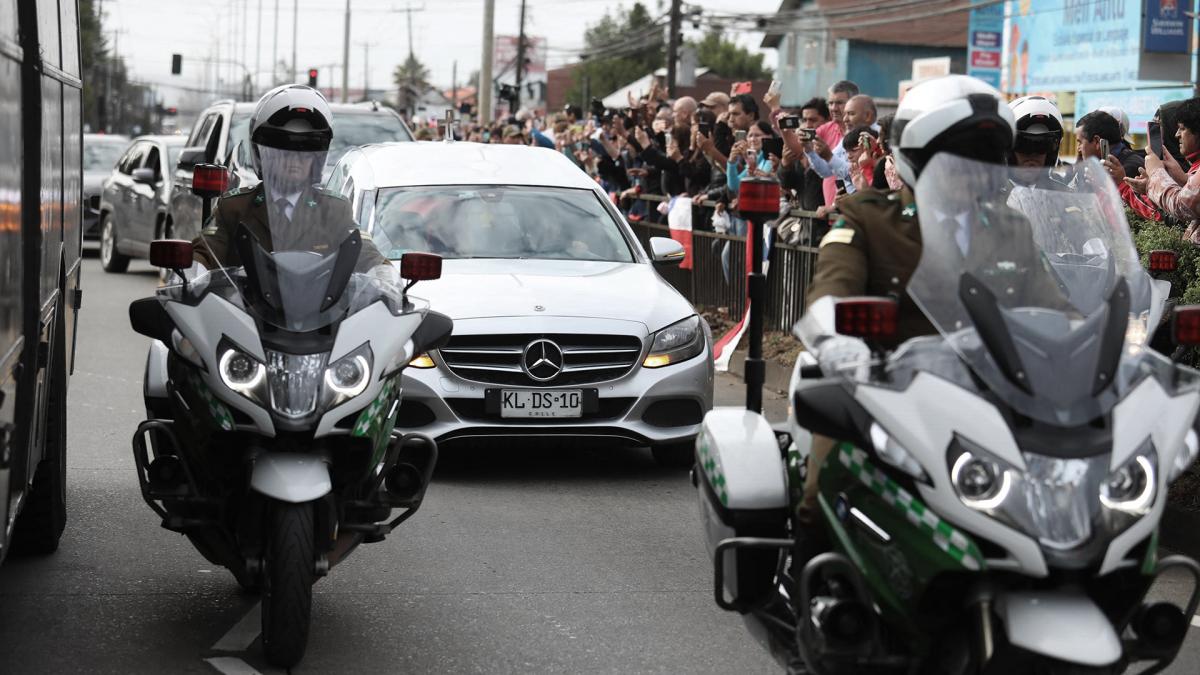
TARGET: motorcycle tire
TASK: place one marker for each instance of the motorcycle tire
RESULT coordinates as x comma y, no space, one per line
288,575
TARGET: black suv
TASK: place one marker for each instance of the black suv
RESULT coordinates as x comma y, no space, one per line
221,136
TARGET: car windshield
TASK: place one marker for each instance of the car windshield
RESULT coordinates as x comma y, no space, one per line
497,222
350,129
102,155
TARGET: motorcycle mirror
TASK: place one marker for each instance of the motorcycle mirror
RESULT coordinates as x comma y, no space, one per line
173,254
416,267
1163,262
875,319
1185,327
209,181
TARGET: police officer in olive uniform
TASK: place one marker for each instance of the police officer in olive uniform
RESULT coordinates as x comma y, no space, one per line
290,133
874,246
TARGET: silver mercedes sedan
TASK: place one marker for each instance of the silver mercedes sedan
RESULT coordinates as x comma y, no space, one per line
562,326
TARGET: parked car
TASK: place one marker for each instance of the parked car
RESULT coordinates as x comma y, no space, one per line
100,155
221,136
134,198
562,325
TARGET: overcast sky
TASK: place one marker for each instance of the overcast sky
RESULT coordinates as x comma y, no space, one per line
147,32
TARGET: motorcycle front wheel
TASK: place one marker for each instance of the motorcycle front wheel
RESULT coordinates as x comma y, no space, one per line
287,579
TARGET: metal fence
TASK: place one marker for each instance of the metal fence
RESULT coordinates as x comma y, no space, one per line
718,275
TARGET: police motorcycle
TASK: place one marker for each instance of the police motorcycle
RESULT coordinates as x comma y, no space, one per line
272,391
994,493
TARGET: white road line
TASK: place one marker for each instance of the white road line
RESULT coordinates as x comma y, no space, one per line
1196,621
228,665
243,634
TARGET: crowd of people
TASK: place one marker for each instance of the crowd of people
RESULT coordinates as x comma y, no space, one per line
829,147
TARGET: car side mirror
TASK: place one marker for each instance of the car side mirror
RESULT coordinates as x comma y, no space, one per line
664,251
190,157
143,175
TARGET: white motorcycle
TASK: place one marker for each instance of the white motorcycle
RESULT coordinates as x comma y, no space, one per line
993,495
272,392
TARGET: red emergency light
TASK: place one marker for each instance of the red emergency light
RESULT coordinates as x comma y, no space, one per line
758,199
1186,325
1163,262
872,319
420,266
209,180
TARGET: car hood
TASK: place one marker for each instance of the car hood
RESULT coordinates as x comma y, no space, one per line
472,289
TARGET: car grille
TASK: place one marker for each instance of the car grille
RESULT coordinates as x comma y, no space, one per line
497,359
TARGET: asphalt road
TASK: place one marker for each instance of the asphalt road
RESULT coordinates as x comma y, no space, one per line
543,559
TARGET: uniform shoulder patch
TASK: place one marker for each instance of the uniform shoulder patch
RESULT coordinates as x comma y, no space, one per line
843,235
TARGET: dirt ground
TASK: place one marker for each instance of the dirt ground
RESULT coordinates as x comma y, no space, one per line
777,346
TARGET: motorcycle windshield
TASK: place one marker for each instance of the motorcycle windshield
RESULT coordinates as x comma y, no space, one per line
291,248
1039,290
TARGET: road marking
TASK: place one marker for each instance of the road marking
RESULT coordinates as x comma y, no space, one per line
243,634
228,665
1196,621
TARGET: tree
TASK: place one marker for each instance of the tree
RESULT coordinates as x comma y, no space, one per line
624,47
412,79
728,59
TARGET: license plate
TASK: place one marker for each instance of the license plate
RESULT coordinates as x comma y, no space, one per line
557,403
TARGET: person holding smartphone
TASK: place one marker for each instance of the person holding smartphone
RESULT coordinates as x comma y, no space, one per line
1180,201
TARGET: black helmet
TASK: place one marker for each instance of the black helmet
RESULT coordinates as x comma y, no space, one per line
1039,128
290,117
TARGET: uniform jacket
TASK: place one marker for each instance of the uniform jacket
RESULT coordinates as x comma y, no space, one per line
314,216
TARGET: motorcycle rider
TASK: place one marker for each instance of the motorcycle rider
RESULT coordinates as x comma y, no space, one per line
1039,126
874,246
291,126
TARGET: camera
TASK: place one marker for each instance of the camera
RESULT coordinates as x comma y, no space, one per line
705,129
789,122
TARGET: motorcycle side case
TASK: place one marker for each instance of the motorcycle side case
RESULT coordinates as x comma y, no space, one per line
743,493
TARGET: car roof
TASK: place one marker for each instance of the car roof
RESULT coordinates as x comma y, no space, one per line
460,163
106,138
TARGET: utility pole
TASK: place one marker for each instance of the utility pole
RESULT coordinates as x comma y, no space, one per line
275,48
673,45
258,49
454,85
295,32
366,70
520,58
484,93
346,57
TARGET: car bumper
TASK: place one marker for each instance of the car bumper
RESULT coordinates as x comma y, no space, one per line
91,223
645,407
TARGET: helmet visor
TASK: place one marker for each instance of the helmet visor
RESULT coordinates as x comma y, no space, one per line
1036,144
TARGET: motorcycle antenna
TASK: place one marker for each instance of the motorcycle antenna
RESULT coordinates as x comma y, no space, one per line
758,202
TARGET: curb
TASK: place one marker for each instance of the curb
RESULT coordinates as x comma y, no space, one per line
1179,531
777,378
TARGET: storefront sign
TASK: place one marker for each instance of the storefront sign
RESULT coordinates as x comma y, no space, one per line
1167,28
985,43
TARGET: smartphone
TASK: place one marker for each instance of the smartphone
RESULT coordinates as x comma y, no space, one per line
739,135
742,88
774,88
772,146
705,129
841,188
789,122
1154,137
807,135
1103,149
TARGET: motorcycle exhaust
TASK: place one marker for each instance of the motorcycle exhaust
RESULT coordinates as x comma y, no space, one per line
407,479
403,482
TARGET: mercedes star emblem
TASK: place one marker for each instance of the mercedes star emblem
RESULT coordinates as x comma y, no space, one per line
542,360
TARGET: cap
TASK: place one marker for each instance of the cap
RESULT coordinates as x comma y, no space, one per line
1122,120
512,130
715,99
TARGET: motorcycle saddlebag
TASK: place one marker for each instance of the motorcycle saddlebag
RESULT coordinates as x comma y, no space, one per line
741,484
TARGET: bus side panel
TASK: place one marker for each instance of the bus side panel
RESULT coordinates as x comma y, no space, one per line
72,211
52,189
12,306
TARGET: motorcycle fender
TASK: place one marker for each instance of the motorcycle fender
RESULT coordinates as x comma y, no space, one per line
291,477
1034,621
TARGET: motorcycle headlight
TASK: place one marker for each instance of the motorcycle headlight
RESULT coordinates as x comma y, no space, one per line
295,382
349,376
1130,489
240,371
680,341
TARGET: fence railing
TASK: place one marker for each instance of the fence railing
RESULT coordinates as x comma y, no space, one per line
717,278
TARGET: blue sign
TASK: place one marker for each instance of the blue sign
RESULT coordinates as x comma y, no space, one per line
1167,28
985,46
1071,45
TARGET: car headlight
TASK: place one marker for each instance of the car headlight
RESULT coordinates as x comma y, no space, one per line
349,376
422,361
1053,499
893,453
680,341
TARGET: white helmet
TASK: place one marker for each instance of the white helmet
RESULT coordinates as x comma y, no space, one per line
1039,128
290,117
956,114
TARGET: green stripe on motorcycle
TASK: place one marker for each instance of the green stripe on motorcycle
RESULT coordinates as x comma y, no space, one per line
945,536
712,470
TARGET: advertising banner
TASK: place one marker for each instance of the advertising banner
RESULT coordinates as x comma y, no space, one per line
1140,104
1167,28
985,43
1071,45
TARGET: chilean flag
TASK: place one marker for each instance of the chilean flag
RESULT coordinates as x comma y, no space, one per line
679,219
723,349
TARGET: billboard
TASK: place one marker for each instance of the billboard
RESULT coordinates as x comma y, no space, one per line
1168,29
1071,45
985,43
1140,104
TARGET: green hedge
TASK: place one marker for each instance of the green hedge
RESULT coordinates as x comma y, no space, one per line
1153,236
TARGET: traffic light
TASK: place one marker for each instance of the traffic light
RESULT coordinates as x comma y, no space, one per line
176,64
312,77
